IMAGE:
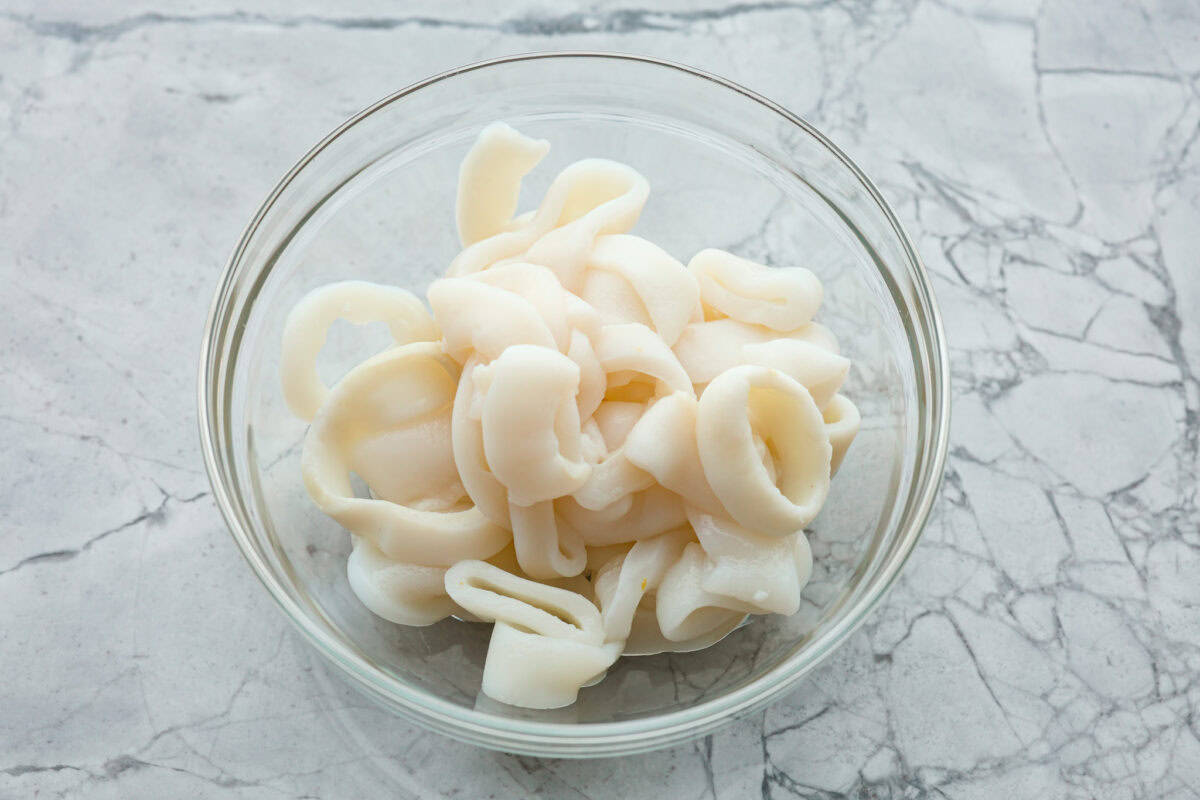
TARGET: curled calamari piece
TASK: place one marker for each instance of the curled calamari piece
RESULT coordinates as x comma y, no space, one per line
507,560
466,437
547,642
765,574
540,288
623,582
308,324
531,426
613,297
495,595
589,198
842,421
412,465
781,299
535,671
582,317
749,400
489,180
820,371
663,443
592,383
661,285
476,317
591,442
634,348
407,594
616,419
613,479
603,197
685,610
397,388
706,349
544,549
648,513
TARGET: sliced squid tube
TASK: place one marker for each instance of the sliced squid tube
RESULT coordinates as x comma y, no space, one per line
489,180
613,479
540,288
602,197
534,671
407,594
412,465
583,317
821,371
663,443
591,375
636,348
706,349
587,199
544,549
650,512
616,419
398,387
466,436
749,400
782,299
622,584
308,323
531,426
765,574
477,318
842,422
591,442
662,286
613,297
685,610
547,642
494,595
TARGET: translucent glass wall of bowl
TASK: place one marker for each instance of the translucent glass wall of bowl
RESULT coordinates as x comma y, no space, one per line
726,170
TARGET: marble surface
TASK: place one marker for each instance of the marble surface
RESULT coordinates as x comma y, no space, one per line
1045,638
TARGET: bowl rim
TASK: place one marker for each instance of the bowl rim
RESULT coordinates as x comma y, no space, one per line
584,738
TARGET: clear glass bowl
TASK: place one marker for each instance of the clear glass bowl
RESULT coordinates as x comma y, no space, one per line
727,169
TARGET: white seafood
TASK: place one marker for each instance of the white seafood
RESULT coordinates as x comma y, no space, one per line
634,348
685,609
663,443
764,573
489,180
308,324
842,421
623,582
397,389
587,444
746,401
782,299
706,349
531,428
547,643
588,199
661,285
407,594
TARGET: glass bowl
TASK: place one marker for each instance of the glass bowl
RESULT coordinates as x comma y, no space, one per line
727,168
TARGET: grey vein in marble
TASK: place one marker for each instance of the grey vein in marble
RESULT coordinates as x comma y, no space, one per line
1044,640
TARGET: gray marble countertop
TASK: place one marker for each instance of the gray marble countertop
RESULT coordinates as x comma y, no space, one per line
1044,640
